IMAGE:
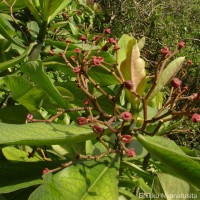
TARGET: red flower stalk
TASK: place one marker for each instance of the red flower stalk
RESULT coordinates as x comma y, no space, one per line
98,129
131,152
107,31
128,84
126,138
82,120
175,82
77,70
126,116
196,118
181,45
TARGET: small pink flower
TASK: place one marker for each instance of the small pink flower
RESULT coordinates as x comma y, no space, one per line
98,129
128,84
86,101
77,70
131,152
175,82
107,31
126,138
77,50
181,45
126,116
82,120
196,118
45,171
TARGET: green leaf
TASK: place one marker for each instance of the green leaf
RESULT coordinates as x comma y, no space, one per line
16,7
182,165
23,92
18,175
88,180
7,32
32,7
43,134
133,68
170,71
172,187
123,42
13,114
16,60
51,8
14,154
34,69
140,172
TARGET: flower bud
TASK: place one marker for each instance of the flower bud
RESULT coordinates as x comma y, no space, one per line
77,50
77,70
126,138
189,62
196,118
175,82
126,116
98,129
86,101
107,31
128,84
82,120
131,152
29,117
112,41
51,52
68,41
165,51
116,47
45,171
83,38
181,45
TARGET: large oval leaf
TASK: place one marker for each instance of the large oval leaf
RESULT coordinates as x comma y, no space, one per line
43,134
181,164
86,181
170,71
